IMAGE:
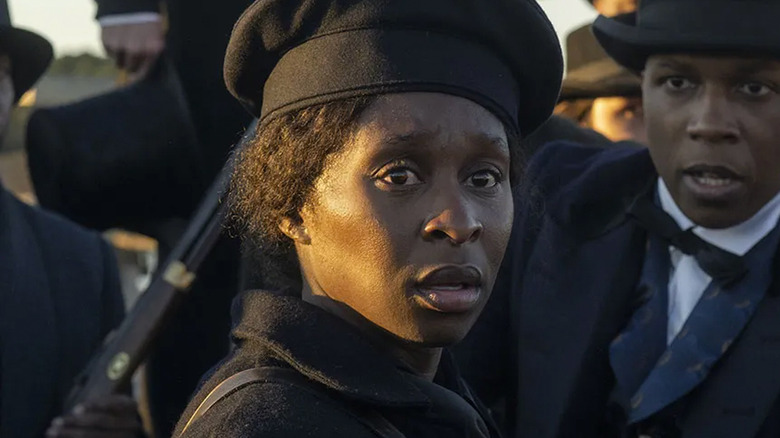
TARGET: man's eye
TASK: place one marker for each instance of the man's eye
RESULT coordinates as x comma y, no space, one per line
400,177
484,179
754,89
678,83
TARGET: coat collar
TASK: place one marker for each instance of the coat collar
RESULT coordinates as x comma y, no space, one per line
334,354
599,187
28,339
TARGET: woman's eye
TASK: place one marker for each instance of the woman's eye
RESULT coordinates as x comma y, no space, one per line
400,177
484,179
678,83
754,89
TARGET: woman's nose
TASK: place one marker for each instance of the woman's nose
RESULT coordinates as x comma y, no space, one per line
456,223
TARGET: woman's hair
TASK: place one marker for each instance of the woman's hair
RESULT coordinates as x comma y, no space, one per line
274,177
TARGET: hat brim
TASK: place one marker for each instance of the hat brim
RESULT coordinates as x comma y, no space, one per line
630,45
30,56
601,78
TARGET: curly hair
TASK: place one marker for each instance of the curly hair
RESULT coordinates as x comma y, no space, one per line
274,177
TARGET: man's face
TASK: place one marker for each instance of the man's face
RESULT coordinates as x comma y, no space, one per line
713,126
6,93
610,8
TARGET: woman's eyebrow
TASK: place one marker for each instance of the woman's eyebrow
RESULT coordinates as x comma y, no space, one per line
410,138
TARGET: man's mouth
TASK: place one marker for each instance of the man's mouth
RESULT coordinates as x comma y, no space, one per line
713,182
712,179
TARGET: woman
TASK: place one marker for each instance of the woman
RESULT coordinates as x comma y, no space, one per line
378,185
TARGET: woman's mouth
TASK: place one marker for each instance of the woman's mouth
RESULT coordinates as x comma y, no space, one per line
449,289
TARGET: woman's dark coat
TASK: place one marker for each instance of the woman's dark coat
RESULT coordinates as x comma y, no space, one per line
59,297
567,289
286,332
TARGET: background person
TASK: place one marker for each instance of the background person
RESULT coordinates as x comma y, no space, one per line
59,291
194,35
599,94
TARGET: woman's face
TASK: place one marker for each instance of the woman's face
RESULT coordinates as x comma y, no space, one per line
407,225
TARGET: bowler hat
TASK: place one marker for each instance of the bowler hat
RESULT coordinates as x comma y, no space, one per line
591,73
124,159
30,53
285,55
743,27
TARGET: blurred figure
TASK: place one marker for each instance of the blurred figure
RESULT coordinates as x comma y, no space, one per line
194,35
610,8
59,291
599,94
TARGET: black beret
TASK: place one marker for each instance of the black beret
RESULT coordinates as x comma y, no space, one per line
285,55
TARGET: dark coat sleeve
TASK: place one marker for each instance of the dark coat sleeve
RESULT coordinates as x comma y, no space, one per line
114,7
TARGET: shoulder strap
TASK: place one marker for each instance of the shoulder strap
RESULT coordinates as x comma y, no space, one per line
370,417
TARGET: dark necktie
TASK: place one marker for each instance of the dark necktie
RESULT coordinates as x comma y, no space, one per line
724,267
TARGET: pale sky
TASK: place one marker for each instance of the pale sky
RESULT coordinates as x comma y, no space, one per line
70,24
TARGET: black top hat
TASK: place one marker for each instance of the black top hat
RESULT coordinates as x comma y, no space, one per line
691,26
30,53
591,73
503,54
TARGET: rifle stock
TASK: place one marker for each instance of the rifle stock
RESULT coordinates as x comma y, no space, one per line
111,369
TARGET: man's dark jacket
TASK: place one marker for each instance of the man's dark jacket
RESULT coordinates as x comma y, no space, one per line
346,375
59,297
567,289
198,336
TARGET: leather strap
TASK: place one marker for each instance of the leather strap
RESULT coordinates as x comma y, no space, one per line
369,417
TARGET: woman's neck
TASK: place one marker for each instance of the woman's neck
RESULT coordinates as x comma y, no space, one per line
423,361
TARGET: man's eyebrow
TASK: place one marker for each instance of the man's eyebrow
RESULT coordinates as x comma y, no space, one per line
757,66
675,65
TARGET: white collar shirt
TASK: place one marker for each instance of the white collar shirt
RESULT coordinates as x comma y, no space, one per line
687,281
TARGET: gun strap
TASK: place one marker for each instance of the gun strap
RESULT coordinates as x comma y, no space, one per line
369,417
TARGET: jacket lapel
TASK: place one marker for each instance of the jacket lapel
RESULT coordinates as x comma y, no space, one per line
27,328
737,396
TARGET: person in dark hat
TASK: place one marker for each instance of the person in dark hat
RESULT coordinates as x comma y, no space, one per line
599,94
59,291
378,186
193,34
641,289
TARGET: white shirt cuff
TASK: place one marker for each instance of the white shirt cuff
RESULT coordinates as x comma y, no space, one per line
133,18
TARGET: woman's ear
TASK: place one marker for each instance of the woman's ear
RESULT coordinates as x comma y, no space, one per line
295,230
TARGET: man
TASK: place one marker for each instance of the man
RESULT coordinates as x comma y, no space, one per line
641,293
194,34
59,291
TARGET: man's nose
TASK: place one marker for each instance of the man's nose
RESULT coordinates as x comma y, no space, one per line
456,222
713,119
